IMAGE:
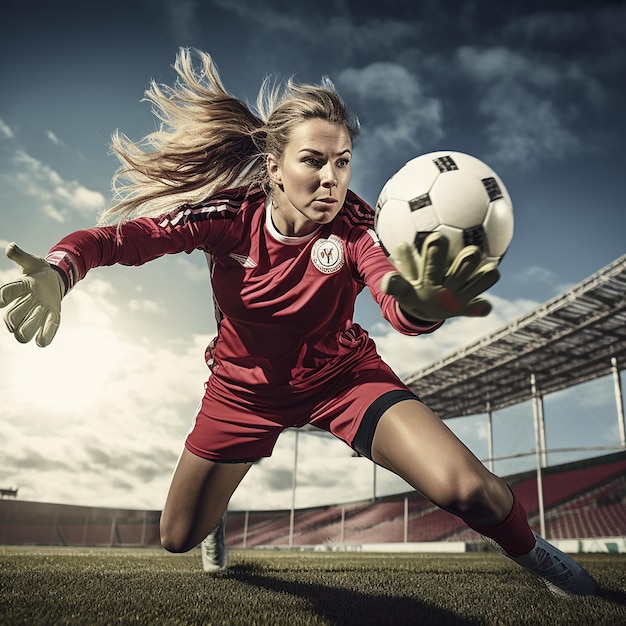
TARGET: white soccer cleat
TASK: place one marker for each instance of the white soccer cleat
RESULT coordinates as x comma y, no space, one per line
560,573
213,549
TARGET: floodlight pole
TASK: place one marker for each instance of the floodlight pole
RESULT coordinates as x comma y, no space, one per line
489,436
244,539
374,482
539,452
293,489
343,525
406,519
617,382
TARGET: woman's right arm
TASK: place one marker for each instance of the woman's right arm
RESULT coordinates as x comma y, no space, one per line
132,243
33,302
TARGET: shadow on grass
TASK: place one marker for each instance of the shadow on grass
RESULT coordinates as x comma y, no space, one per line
613,595
343,606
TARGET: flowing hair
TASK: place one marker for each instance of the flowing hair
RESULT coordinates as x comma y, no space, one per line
208,140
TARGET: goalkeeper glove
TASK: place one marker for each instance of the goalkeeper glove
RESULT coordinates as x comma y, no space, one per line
427,289
34,301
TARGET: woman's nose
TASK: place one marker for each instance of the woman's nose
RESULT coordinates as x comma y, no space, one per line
329,176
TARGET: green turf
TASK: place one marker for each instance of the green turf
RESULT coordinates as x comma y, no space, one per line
57,586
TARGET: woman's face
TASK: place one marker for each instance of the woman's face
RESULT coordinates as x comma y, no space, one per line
311,179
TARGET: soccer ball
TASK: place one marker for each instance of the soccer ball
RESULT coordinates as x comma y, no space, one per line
448,192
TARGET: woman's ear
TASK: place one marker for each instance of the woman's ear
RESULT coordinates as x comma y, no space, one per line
273,169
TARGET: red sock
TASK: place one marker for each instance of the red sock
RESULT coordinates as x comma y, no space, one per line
513,534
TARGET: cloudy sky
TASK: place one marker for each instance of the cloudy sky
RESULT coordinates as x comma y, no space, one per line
533,88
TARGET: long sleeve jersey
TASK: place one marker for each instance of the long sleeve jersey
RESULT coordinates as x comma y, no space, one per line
284,305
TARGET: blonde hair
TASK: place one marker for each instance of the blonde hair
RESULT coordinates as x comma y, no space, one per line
209,140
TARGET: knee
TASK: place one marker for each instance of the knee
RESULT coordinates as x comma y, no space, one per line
172,546
464,498
167,541
474,497
173,541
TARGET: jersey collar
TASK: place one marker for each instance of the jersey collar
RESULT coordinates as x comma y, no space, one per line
275,234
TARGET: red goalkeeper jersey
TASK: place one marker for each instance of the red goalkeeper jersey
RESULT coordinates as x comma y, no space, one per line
284,304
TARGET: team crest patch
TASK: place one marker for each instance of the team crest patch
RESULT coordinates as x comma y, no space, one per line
327,254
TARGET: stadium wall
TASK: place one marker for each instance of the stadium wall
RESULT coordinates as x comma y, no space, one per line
38,523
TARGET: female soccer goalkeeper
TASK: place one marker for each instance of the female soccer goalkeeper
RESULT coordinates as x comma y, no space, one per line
265,196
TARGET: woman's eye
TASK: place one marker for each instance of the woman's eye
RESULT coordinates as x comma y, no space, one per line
343,163
312,161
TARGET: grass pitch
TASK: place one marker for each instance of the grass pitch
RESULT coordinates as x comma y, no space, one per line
69,586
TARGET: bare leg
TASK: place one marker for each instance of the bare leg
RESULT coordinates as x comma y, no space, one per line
414,443
198,496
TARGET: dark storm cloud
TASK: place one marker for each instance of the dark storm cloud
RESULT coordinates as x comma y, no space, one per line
522,85
30,459
279,480
143,465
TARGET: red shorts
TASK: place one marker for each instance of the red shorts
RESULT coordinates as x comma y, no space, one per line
237,425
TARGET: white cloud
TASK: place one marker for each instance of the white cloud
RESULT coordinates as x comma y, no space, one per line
50,211
397,116
268,484
55,197
53,138
146,306
96,394
193,269
7,276
542,276
49,193
407,354
79,198
535,274
403,113
5,130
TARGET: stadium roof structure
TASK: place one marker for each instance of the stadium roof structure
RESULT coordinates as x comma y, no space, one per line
575,337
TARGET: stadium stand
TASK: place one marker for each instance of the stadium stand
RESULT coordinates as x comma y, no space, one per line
585,499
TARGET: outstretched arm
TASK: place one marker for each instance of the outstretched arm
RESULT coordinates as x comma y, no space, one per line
33,303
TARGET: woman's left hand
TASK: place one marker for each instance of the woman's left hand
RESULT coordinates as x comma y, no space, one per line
427,289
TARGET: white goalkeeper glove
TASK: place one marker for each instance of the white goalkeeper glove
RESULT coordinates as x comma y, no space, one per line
34,301
427,289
